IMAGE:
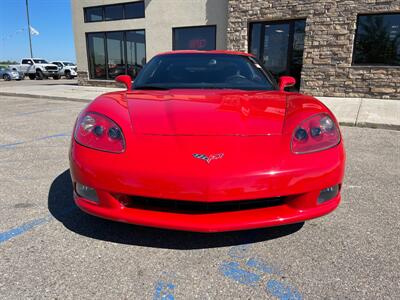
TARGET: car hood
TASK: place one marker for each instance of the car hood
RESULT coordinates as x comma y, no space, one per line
206,112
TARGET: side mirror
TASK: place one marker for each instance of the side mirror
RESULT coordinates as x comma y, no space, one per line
126,80
286,81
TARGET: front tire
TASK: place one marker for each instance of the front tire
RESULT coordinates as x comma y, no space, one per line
32,76
39,75
6,77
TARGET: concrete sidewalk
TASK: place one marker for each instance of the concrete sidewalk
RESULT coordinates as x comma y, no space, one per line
51,89
360,112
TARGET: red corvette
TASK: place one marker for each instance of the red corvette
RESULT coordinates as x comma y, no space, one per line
206,141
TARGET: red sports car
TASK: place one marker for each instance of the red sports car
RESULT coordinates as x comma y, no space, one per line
206,141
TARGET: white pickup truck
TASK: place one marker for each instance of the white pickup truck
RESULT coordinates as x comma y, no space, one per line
67,69
37,68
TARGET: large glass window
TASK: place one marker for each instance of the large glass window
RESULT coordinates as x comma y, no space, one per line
279,46
115,53
377,40
94,14
134,10
113,12
276,48
136,52
194,38
97,56
131,10
255,41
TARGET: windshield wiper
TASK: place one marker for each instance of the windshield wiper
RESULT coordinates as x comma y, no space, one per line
151,87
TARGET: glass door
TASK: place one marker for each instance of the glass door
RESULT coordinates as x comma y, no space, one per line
276,48
279,45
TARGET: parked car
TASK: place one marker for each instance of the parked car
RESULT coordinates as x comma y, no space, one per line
37,68
10,74
206,141
67,69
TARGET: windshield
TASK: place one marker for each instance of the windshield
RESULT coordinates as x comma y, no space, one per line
70,64
204,71
40,61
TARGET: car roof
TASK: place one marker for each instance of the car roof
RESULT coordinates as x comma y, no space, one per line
207,52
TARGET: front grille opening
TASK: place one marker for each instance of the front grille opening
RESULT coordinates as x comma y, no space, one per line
192,207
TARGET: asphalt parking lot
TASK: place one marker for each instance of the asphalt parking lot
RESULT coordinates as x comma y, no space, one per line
50,249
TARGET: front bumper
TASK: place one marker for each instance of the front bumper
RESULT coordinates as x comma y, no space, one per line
295,210
16,76
297,180
50,73
73,72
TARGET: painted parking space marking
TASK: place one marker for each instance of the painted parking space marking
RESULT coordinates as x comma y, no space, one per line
12,145
261,266
53,136
26,227
253,272
164,287
12,233
282,291
233,271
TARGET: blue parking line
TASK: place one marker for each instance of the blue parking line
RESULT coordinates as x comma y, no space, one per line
282,291
52,136
164,291
7,235
261,266
34,140
233,271
11,145
31,112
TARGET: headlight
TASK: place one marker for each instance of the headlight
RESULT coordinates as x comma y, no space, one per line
316,133
97,131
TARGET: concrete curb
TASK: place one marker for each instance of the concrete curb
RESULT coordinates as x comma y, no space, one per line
356,123
378,126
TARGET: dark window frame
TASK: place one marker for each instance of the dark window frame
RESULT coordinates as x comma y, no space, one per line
194,27
369,65
124,4
104,33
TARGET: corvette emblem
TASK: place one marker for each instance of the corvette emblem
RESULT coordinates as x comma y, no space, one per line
209,158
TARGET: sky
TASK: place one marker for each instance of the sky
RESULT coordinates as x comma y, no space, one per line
51,18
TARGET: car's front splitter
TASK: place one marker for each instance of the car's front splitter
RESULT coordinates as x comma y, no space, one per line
294,209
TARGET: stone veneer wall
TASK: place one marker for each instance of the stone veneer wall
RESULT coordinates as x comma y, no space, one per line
83,79
328,45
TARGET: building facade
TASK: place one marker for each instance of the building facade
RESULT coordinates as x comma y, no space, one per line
339,48
342,48
114,37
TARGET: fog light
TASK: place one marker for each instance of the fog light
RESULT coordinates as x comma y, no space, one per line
86,192
328,194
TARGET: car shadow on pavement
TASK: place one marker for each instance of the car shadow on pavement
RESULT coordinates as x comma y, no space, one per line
62,206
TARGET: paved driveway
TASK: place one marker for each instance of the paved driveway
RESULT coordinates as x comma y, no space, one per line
50,249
